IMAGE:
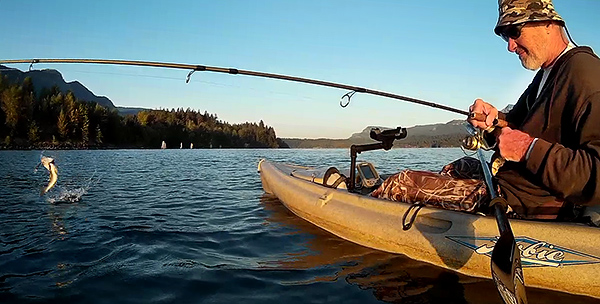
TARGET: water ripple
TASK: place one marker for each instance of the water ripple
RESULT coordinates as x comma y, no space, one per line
194,226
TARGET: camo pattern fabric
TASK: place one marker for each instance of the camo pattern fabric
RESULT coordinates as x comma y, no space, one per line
519,11
459,186
464,168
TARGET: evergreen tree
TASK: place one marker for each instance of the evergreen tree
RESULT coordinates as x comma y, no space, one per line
11,105
85,129
34,132
99,136
63,125
3,82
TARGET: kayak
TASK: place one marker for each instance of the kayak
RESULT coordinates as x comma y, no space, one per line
556,256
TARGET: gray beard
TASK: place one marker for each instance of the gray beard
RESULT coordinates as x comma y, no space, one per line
531,62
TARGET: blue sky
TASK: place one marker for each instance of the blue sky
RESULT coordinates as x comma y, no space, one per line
432,50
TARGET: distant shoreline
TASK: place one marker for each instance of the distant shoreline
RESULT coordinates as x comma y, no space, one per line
50,148
225,148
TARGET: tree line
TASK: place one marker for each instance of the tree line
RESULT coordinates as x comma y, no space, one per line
53,119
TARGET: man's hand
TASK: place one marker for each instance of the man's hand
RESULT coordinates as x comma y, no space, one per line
513,144
490,112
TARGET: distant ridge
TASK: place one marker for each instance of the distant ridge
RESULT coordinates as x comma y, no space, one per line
48,78
448,134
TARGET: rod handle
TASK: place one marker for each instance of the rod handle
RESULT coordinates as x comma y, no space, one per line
481,117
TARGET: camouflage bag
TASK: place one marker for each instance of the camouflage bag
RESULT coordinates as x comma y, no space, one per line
459,186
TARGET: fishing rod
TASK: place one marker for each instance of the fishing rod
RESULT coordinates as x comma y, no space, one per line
203,68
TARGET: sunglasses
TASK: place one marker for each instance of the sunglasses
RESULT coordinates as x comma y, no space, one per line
511,31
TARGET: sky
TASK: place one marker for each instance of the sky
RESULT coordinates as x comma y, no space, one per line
438,50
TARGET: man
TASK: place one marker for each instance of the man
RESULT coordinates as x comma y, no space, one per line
552,144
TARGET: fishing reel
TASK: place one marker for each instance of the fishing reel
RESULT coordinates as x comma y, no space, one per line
484,140
479,139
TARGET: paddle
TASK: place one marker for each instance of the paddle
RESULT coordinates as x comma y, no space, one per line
506,257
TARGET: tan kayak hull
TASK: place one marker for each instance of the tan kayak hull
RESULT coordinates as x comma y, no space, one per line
556,256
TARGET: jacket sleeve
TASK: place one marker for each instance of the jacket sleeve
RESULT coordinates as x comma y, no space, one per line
573,173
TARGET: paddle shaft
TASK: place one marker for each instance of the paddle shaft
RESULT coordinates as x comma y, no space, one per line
506,262
487,174
499,210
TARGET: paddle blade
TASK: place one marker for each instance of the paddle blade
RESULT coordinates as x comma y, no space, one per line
507,271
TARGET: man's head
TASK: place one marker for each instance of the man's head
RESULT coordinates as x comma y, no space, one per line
532,29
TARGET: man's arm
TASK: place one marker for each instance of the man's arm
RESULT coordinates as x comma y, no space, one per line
573,173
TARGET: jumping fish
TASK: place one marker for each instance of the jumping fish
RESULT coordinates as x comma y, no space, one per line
49,164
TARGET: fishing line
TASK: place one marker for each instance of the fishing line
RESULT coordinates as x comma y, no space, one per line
122,74
194,68
192,80
465,152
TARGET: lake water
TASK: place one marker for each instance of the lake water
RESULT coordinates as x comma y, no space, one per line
194,226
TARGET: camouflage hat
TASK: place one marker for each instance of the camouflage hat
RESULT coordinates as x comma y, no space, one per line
520,11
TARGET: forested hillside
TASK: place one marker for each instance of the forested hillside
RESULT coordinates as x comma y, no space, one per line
53,119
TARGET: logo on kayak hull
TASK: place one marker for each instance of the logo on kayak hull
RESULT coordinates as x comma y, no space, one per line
534,253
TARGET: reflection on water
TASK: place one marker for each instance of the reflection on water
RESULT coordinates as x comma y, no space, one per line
58,224
392,278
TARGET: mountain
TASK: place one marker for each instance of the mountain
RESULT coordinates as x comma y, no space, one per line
448,134
48,78
507,109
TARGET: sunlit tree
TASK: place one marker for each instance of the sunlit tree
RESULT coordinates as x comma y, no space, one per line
85,128
11,105
63,125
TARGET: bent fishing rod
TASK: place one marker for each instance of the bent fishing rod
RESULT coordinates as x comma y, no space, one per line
233,71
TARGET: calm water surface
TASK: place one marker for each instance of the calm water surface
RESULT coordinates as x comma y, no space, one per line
194,226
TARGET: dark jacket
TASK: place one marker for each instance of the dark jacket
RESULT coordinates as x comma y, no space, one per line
563,168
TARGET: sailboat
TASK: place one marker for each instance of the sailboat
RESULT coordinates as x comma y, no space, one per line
163,145
191,145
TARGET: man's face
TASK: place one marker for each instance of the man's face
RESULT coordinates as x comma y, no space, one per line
531,45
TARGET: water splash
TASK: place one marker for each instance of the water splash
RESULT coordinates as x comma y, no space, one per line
68,194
